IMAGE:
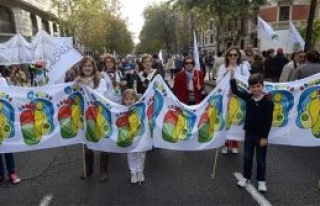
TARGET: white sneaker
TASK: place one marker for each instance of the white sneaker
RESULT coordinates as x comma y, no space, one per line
140,177
224,150
242,182
262,187
134,179
234,150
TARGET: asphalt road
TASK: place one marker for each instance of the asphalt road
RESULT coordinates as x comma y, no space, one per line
172,178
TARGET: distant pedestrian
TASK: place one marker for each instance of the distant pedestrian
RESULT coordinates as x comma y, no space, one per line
189,83
310,67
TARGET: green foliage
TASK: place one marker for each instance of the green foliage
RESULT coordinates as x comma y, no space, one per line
92,23
158,30
315,33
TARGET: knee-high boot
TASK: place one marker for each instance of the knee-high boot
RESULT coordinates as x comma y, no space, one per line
104,164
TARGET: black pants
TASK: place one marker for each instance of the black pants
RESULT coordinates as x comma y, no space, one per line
251,144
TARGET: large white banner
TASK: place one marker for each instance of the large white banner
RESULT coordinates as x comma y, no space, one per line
57,52
67,114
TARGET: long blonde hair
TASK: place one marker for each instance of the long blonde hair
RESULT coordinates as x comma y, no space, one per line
95,73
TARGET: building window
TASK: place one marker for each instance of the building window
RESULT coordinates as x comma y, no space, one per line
45,26
211,39
34,24
284,13
6,21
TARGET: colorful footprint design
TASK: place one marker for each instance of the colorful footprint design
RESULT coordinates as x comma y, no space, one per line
211,120
98,118
70,115
283,103
309,111
177,125
154,109
130,125
6,120
36,120
236,111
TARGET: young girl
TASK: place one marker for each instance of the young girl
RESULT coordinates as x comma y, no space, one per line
9,157
89,75
135,159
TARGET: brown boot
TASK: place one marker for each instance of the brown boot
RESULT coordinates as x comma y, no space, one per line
104,163
88,163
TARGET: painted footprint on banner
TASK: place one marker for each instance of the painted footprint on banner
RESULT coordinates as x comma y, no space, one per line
70,114
130,125
283,103
36,117
178,125
235,112
6,117
155,106
98,118
309,111
211,120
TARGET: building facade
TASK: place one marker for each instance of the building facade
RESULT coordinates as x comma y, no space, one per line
242,31
27,17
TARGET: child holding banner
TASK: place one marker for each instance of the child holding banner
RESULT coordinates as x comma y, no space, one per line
258,121
135,159
9,157
89,75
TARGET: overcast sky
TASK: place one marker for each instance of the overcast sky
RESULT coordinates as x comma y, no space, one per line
132,10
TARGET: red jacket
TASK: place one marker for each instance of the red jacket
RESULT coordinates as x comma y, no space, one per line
180,88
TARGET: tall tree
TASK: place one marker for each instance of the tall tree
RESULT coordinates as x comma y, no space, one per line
312,11
93,25
157,31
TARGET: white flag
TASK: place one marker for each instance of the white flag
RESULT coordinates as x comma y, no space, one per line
265,31
196,52
294,37
160,55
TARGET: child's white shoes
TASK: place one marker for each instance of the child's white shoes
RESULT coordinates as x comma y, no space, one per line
242,182
262,187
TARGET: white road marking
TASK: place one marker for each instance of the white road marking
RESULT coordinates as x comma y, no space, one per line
46,200
256,195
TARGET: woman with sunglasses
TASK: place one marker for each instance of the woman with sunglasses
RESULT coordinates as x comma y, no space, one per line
189,83
232,61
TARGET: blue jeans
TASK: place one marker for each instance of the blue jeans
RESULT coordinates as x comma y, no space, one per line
10,164
251,144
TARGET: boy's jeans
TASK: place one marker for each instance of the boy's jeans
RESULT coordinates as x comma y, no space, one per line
10,164
250,144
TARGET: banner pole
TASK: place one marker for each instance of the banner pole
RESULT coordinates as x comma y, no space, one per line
215,163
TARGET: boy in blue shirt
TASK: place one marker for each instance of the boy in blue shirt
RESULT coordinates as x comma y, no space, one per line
258,121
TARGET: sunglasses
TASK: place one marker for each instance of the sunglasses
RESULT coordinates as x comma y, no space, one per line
233,55
188,63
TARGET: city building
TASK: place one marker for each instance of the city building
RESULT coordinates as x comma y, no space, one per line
242,31
27,17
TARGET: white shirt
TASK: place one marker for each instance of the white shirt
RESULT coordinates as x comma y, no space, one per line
241,69
113,92
3,81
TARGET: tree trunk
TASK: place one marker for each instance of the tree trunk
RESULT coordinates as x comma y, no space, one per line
313,5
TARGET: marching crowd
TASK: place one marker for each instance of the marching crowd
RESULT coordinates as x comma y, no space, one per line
123,80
